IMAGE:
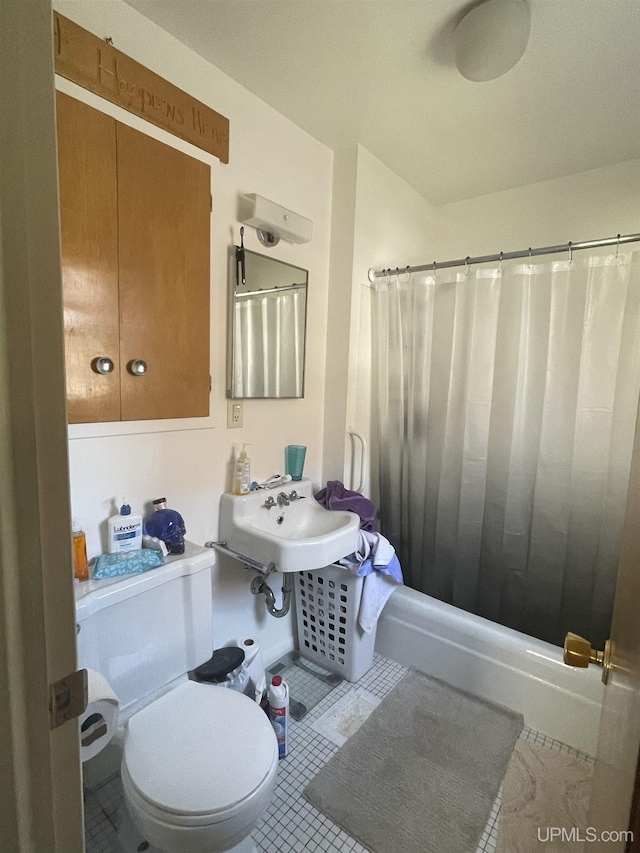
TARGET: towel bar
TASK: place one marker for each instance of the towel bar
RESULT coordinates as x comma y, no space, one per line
254,564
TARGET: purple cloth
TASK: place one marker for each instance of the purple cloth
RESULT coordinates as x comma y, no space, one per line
336,496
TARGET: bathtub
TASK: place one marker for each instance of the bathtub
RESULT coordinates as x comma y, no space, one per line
496,663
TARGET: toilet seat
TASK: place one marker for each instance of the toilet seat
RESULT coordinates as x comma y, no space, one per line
198,755
183,821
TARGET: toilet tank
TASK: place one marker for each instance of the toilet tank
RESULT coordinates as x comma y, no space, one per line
143,631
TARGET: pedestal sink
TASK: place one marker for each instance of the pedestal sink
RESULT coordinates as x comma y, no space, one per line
286,526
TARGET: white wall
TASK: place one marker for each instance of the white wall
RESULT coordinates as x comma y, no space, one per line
189,461
598,203
396,227
340,313
376,217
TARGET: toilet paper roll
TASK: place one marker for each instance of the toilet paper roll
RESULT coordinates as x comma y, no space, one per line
99,722
251,649
253,661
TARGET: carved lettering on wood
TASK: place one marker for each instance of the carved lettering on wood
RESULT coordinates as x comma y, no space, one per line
92,63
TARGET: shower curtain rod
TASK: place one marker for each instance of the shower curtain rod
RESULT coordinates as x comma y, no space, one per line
507,256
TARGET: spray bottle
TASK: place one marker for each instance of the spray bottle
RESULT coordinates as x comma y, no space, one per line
279,712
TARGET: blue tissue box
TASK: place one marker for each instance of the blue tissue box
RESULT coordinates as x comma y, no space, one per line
135,562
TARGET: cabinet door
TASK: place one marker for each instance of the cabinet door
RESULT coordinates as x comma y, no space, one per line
163,240
88,225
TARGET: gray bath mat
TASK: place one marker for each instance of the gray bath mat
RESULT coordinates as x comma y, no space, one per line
421,774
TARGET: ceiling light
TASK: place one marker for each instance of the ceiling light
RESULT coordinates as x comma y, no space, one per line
491,38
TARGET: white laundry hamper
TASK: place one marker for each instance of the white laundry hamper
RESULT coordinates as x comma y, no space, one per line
327,607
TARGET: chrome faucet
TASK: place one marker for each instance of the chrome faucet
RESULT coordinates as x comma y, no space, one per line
284,499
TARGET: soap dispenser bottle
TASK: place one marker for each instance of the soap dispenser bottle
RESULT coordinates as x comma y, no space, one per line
125,530
242,473
79,541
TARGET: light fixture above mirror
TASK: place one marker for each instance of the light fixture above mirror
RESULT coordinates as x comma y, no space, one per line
273,222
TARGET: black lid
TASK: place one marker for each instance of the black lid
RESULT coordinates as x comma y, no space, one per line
159,501
222,662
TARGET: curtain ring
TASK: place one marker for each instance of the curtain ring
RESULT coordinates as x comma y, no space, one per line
407,272
570,252
618,246
466,265
387,277
500,264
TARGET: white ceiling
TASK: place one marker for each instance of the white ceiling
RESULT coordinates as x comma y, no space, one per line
381,73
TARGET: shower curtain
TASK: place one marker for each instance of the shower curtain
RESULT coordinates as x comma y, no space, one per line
507,400
269,344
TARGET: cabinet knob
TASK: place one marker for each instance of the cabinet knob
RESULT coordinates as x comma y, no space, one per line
138,367
103,364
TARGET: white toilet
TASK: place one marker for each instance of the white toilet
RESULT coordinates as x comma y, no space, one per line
199,762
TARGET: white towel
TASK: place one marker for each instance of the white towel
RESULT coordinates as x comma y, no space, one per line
383,550
363,550
378,584
372,546
375,593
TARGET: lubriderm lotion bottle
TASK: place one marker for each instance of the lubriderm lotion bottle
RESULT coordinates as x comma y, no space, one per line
125,530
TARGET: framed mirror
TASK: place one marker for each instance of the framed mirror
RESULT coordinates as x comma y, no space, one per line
267,320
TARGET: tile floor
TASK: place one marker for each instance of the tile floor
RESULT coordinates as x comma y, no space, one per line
303,684
291,824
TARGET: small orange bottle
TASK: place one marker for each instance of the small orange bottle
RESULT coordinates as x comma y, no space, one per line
80,562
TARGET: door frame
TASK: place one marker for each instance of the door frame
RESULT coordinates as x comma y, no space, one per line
40,775
634,821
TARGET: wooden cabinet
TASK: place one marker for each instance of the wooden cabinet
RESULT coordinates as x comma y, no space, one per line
135,227
89,232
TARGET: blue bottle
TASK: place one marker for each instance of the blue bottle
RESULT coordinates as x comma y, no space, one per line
168,525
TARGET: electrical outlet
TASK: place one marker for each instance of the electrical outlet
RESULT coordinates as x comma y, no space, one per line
234,414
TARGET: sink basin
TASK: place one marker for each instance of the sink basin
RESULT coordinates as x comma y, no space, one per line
296,538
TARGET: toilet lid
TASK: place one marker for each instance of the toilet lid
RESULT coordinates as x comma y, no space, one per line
199,749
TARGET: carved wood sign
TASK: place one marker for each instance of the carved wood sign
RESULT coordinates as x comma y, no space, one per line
98,66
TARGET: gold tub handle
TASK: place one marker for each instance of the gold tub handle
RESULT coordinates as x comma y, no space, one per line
578,652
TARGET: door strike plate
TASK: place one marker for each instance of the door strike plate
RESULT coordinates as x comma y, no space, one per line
68,698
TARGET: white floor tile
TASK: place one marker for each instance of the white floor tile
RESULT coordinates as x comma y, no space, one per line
290,824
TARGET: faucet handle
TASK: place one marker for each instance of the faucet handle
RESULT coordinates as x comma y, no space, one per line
294,496
269,502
